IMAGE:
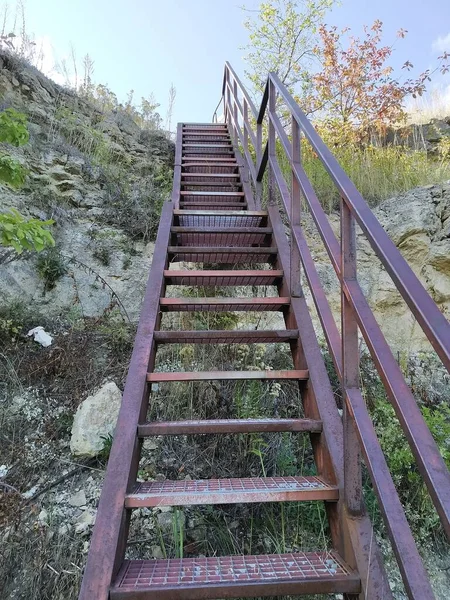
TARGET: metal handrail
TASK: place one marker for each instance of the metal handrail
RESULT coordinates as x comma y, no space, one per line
355,311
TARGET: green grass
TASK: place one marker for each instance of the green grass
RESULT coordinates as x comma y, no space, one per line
378,172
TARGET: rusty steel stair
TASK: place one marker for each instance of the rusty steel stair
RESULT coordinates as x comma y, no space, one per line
213,235
211,223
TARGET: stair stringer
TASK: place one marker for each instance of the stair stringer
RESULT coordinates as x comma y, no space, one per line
108,542
352,535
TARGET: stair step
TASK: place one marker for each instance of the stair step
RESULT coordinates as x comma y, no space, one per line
295,374
211,186
208,183
248,576
210,175
221,254
229,491
229,236
239,230
219,195
223,304
231,203
198,139
224,219
247,213
218,207
204,160
223,278
235,336
228,426
205,145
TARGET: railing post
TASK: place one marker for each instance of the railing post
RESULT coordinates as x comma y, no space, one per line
245,104
226,94
295,210
271,140
350,366
235,111
177,167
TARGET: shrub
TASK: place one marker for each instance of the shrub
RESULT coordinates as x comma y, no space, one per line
24,234
409,482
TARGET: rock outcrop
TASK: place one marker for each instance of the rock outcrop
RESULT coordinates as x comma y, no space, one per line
98,175
418,222
95,421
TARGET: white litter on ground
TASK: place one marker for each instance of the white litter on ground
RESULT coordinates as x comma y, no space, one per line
41,336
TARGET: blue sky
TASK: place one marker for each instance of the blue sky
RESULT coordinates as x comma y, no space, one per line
147,45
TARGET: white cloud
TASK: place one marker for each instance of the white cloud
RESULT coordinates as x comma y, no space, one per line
442,43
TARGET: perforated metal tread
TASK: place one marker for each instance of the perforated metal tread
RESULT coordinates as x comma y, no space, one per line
224,304
230,491
234,336
235,576
223,278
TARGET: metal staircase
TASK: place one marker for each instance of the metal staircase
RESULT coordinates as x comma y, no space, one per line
215,218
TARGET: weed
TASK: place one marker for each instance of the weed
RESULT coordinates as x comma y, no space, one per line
178,532
103,255
104,453
50,267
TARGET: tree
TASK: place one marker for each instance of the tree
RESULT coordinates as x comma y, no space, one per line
170,107
282,37
16,232
356,92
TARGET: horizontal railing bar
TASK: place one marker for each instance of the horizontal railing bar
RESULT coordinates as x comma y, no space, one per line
242,88
321,303
250,164
423,446
281,133
428,315
425,450
245,122
414,574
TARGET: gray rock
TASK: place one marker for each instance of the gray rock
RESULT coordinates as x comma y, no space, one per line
94,420
78,499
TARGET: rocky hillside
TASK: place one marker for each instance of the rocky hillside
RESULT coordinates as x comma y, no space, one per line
102,178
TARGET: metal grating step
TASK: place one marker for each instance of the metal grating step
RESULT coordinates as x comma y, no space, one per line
235,576
216,336
213,236
230,491
220,254
223,219
217,206
223,304
223,278
190,427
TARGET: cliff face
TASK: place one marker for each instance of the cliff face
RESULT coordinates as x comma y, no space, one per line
418,222
102,178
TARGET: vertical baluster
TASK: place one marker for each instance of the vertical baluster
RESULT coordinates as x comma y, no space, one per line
259,132
294,217
350,365
271,141
245,124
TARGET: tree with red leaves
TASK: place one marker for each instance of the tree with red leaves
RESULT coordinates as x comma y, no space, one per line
355,90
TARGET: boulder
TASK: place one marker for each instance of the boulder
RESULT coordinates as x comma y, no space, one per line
95,420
